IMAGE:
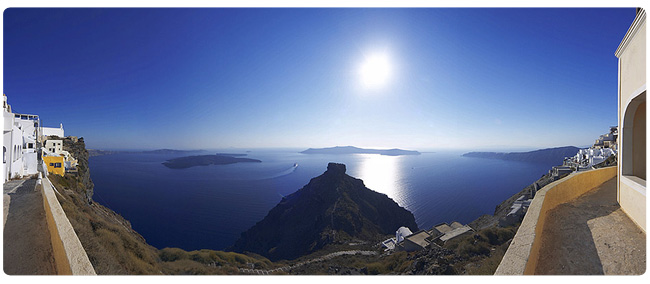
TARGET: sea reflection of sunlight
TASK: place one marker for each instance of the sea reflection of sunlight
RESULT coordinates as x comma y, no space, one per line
382,174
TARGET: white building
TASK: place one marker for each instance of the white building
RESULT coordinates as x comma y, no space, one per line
29,124
590,157
19,143
54,146
7,130
402,233
51,131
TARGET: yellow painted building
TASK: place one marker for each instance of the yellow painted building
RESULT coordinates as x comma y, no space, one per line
55,164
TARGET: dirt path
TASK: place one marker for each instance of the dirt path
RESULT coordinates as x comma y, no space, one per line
26,245
288,268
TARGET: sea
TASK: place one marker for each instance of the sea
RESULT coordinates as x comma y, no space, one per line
208,207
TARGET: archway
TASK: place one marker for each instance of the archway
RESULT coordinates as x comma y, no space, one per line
634,138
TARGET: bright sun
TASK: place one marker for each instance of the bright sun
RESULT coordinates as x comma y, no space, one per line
375,71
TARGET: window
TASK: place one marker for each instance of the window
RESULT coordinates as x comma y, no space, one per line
51,164
57,165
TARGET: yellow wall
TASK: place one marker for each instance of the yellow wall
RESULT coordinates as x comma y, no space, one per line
54,160
523,253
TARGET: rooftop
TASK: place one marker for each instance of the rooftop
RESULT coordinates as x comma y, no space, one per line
419,238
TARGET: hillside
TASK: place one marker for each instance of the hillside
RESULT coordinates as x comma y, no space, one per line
553,156
333,208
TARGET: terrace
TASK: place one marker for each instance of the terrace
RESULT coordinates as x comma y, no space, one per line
576,226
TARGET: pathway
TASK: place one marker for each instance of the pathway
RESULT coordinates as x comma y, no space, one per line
27,249
288,268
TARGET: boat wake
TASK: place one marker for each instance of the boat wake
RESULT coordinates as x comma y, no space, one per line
285,172
280,174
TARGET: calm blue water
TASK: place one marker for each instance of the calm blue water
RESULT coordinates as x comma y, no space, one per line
209,207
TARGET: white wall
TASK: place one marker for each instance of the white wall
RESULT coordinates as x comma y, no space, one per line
54,146
50,131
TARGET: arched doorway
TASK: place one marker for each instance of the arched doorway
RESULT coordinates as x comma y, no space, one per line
634,138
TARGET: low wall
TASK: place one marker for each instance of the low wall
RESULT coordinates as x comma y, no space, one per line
523,252
631,197
70,258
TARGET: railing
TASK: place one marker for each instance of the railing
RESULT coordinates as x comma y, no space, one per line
523,253
70,258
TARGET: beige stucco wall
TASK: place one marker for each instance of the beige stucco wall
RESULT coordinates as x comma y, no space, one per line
632,73
632,199
523,253
632,82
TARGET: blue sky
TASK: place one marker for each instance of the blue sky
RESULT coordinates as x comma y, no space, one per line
248,78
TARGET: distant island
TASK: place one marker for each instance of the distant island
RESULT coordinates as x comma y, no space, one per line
97,152
550,155
205,160
170,151
355,150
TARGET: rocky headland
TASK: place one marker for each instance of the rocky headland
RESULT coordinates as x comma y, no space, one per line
333,208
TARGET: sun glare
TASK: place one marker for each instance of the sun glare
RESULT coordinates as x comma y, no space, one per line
381,173
375,71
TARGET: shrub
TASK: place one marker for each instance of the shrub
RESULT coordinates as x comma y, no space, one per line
172,254
469,249
375,268
497,236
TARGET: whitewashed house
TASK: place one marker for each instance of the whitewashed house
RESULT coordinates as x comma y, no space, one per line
19,143
54,146
51,131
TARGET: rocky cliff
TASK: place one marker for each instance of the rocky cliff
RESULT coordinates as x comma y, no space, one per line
77,147
333,208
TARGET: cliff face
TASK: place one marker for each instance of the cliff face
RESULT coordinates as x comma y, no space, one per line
78,150
332,208
113,247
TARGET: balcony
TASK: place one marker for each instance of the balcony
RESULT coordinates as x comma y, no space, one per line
575,226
